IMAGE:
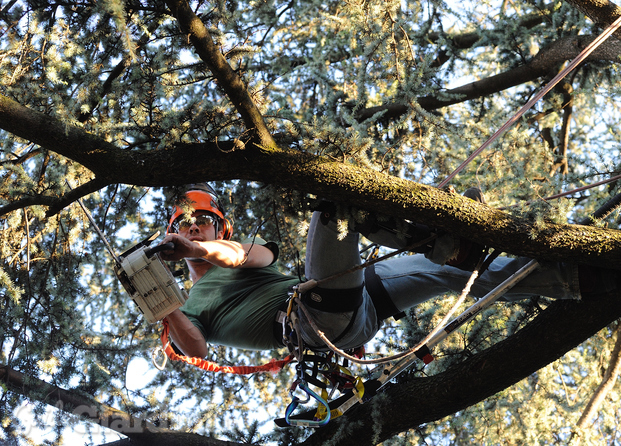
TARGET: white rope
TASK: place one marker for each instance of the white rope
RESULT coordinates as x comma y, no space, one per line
411,351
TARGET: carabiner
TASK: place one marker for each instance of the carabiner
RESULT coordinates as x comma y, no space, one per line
296,401
154,354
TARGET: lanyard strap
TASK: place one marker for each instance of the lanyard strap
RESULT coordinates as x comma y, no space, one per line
272,366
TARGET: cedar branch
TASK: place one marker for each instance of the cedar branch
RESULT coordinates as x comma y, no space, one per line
541,65
227,78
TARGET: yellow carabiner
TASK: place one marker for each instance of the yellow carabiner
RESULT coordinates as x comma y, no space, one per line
358,388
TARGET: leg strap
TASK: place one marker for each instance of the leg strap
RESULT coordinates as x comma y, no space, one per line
384,307
333,300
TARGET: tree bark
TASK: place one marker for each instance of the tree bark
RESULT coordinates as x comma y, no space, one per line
346,183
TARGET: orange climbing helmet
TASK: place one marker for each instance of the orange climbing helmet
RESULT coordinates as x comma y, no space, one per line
202,197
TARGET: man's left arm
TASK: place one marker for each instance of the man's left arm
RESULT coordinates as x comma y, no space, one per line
222,253
230,254
186,336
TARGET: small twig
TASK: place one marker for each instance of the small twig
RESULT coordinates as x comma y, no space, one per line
27,228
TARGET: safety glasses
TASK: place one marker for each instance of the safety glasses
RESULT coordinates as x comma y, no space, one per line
184,222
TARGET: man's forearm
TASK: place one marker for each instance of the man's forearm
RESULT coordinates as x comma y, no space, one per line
186,336
222,253
230,254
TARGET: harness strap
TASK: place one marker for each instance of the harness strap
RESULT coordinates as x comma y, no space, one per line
384,306
337,300
272,366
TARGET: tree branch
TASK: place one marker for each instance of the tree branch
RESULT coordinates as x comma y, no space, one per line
608,382
108,162
173,439
560,162
469,39
541,65
228,80
57,136
76,404
558,329
139,431
602,12
54,203
96,98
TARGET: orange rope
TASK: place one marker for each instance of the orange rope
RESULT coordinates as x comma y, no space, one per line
272,366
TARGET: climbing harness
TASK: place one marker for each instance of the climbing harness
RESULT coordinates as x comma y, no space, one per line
384,374
293,341
358,391
326,365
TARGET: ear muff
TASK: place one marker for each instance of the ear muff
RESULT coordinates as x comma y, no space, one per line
202,200
227,232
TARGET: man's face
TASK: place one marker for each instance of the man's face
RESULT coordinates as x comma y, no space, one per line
201,226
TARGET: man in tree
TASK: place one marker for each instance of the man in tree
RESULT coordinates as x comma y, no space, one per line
238,292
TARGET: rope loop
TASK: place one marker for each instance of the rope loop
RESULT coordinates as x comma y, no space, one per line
157,351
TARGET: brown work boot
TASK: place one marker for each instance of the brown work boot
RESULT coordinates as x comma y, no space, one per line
474,193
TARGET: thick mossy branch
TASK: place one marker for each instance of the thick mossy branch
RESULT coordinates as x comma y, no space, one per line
361,187
389,195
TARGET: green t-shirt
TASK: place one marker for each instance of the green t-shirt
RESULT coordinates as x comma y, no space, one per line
237,307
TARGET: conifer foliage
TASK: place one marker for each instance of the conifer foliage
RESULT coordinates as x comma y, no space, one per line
370,103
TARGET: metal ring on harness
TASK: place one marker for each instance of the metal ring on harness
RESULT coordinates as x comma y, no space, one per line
290,327
154,354
296,401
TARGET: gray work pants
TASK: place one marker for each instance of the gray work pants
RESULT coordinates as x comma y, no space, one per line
408,281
